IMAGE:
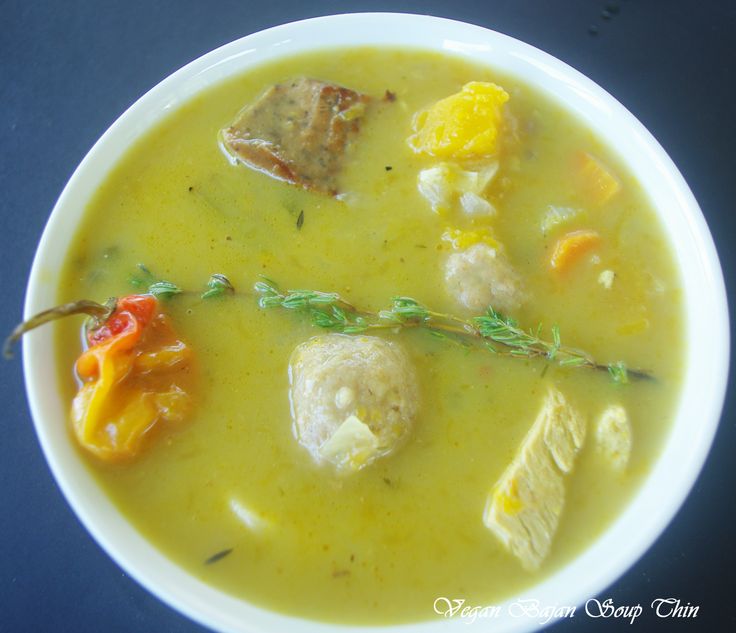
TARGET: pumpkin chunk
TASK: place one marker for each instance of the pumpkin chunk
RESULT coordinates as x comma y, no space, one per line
573,246
463,126
596,182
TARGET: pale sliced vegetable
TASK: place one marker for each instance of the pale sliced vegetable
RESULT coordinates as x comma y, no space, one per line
444,185
524,507
557,216
606,279
252,519
613,436
352,446
474,205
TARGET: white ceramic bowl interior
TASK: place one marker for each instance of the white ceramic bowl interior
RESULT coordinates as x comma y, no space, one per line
706,364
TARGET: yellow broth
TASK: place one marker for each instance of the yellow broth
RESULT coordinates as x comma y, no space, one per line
378,546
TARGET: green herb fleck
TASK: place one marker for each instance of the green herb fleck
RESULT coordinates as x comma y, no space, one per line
619,373
217,285
142,278
164,289
218,556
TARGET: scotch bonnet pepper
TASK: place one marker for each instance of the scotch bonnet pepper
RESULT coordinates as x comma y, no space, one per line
129,376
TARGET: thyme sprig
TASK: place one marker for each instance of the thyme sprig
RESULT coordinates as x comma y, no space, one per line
493,330
498,333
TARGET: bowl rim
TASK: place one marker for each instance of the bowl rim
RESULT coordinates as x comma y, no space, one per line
682,456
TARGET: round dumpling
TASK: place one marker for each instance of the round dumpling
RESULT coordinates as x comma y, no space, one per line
479,276
353,398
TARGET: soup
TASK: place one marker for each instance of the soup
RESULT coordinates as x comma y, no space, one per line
230,493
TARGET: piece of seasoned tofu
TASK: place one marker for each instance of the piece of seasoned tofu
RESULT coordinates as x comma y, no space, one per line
525,505
298,131
613,436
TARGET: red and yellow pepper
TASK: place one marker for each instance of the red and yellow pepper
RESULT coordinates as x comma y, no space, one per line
132,376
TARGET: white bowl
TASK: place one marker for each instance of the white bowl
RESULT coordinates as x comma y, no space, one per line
691,434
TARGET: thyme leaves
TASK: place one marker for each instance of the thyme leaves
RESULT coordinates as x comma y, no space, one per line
619,372
164,289
144,279
216,286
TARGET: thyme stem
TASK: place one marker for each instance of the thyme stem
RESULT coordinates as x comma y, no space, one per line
498,333
97,311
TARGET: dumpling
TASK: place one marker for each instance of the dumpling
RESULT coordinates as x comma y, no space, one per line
353,398
481,276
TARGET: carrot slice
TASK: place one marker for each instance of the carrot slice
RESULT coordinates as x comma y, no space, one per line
572,246
596,182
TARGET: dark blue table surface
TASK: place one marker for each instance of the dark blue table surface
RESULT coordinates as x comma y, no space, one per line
68,69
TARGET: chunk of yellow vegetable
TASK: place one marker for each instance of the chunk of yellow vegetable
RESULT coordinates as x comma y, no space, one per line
570,247
595,181
633,327
462,126
463,239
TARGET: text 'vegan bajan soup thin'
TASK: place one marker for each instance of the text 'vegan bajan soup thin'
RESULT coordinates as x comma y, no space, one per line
351,457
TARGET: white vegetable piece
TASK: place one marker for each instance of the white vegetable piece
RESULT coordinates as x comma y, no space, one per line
606,278
555,216
445,184
524,507
352,446
473,204
250,518
613,436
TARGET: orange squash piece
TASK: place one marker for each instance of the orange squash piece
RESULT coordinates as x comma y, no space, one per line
572,246
463,126
595,181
